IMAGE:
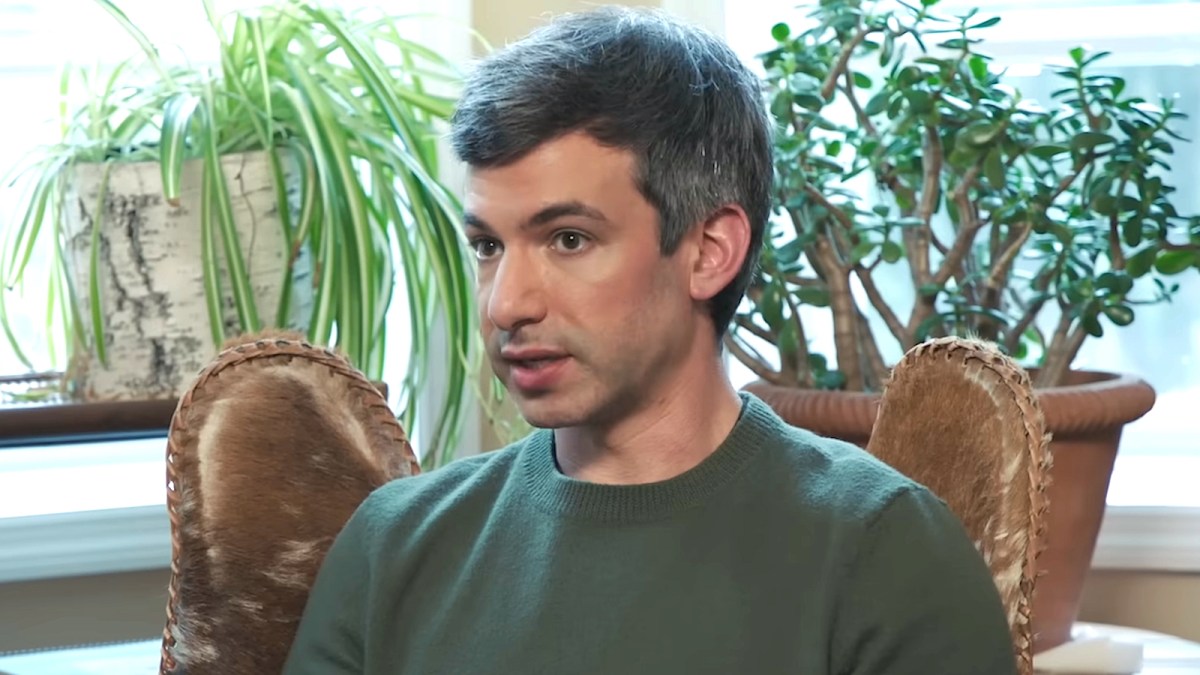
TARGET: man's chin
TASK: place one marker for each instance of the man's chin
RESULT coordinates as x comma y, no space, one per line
543,413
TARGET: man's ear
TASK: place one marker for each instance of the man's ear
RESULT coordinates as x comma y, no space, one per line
723,242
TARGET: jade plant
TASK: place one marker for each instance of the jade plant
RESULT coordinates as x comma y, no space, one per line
919,194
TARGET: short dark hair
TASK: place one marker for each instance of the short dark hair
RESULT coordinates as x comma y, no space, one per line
673,94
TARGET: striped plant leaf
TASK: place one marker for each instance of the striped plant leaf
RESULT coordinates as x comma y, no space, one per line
177,121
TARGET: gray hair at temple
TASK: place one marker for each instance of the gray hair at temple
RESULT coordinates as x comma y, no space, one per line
673,94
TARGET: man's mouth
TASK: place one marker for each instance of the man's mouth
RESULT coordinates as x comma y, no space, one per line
535,364
535,371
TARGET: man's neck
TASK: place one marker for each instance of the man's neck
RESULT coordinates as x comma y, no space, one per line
672,432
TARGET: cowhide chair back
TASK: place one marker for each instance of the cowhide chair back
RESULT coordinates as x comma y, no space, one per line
269,453
960,417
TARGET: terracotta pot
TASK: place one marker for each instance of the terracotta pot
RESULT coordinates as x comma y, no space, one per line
1084,416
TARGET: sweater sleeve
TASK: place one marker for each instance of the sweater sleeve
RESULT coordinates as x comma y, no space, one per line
329,638
919,598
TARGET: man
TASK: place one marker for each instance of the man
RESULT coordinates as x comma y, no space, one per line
658,521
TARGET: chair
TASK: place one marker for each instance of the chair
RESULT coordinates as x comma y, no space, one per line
271,426
960,417
274,423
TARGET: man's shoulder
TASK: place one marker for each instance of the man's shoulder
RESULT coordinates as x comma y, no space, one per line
835,476
471,478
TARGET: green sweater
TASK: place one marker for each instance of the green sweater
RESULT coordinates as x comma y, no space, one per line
783,552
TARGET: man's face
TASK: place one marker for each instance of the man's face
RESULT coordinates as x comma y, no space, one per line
585,321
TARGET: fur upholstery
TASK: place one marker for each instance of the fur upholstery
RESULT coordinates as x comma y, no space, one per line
961,418
269,453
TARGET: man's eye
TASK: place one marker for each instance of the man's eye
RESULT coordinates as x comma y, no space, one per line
485,248
570,241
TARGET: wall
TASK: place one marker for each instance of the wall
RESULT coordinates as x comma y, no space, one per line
1162,601
79,610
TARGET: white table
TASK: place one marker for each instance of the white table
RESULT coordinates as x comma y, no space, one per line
126,658
1161,655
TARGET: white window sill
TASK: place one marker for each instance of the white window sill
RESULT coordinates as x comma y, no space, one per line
94,508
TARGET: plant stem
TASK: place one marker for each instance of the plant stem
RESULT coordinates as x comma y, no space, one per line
841,304
1115,253
903,335
1012,248
861,114
917,239
925,305
1064,346
843,60
748,324
898,329
799,359
875,365
804,282
756,364
969,225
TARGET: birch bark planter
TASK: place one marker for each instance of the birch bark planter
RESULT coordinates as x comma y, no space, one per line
1085,418
151,272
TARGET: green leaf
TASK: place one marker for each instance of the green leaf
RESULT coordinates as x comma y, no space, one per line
978,67
993,168
987,23
1048,151
209,262
892,251
878,103
827,163
861,251
177,118
1174,262
979,133
955,102
1140,263
815,296
1115,282
1077,55
920,100
95,299
1104,203
780,32
1131,231
1122,315
771,307
781,105
1086,140
889,49
789,339
862,81
1091,324
808,101
789,252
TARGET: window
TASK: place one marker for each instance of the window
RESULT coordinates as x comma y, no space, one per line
37,37
1156,48
102,502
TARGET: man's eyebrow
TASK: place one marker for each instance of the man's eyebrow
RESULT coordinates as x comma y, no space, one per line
544,217
472,220
561,209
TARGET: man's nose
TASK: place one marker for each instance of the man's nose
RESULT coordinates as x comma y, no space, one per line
517,293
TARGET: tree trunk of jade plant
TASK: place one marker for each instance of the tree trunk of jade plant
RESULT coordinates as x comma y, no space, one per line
150,270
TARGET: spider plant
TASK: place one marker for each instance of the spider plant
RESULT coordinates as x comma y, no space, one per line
352,105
